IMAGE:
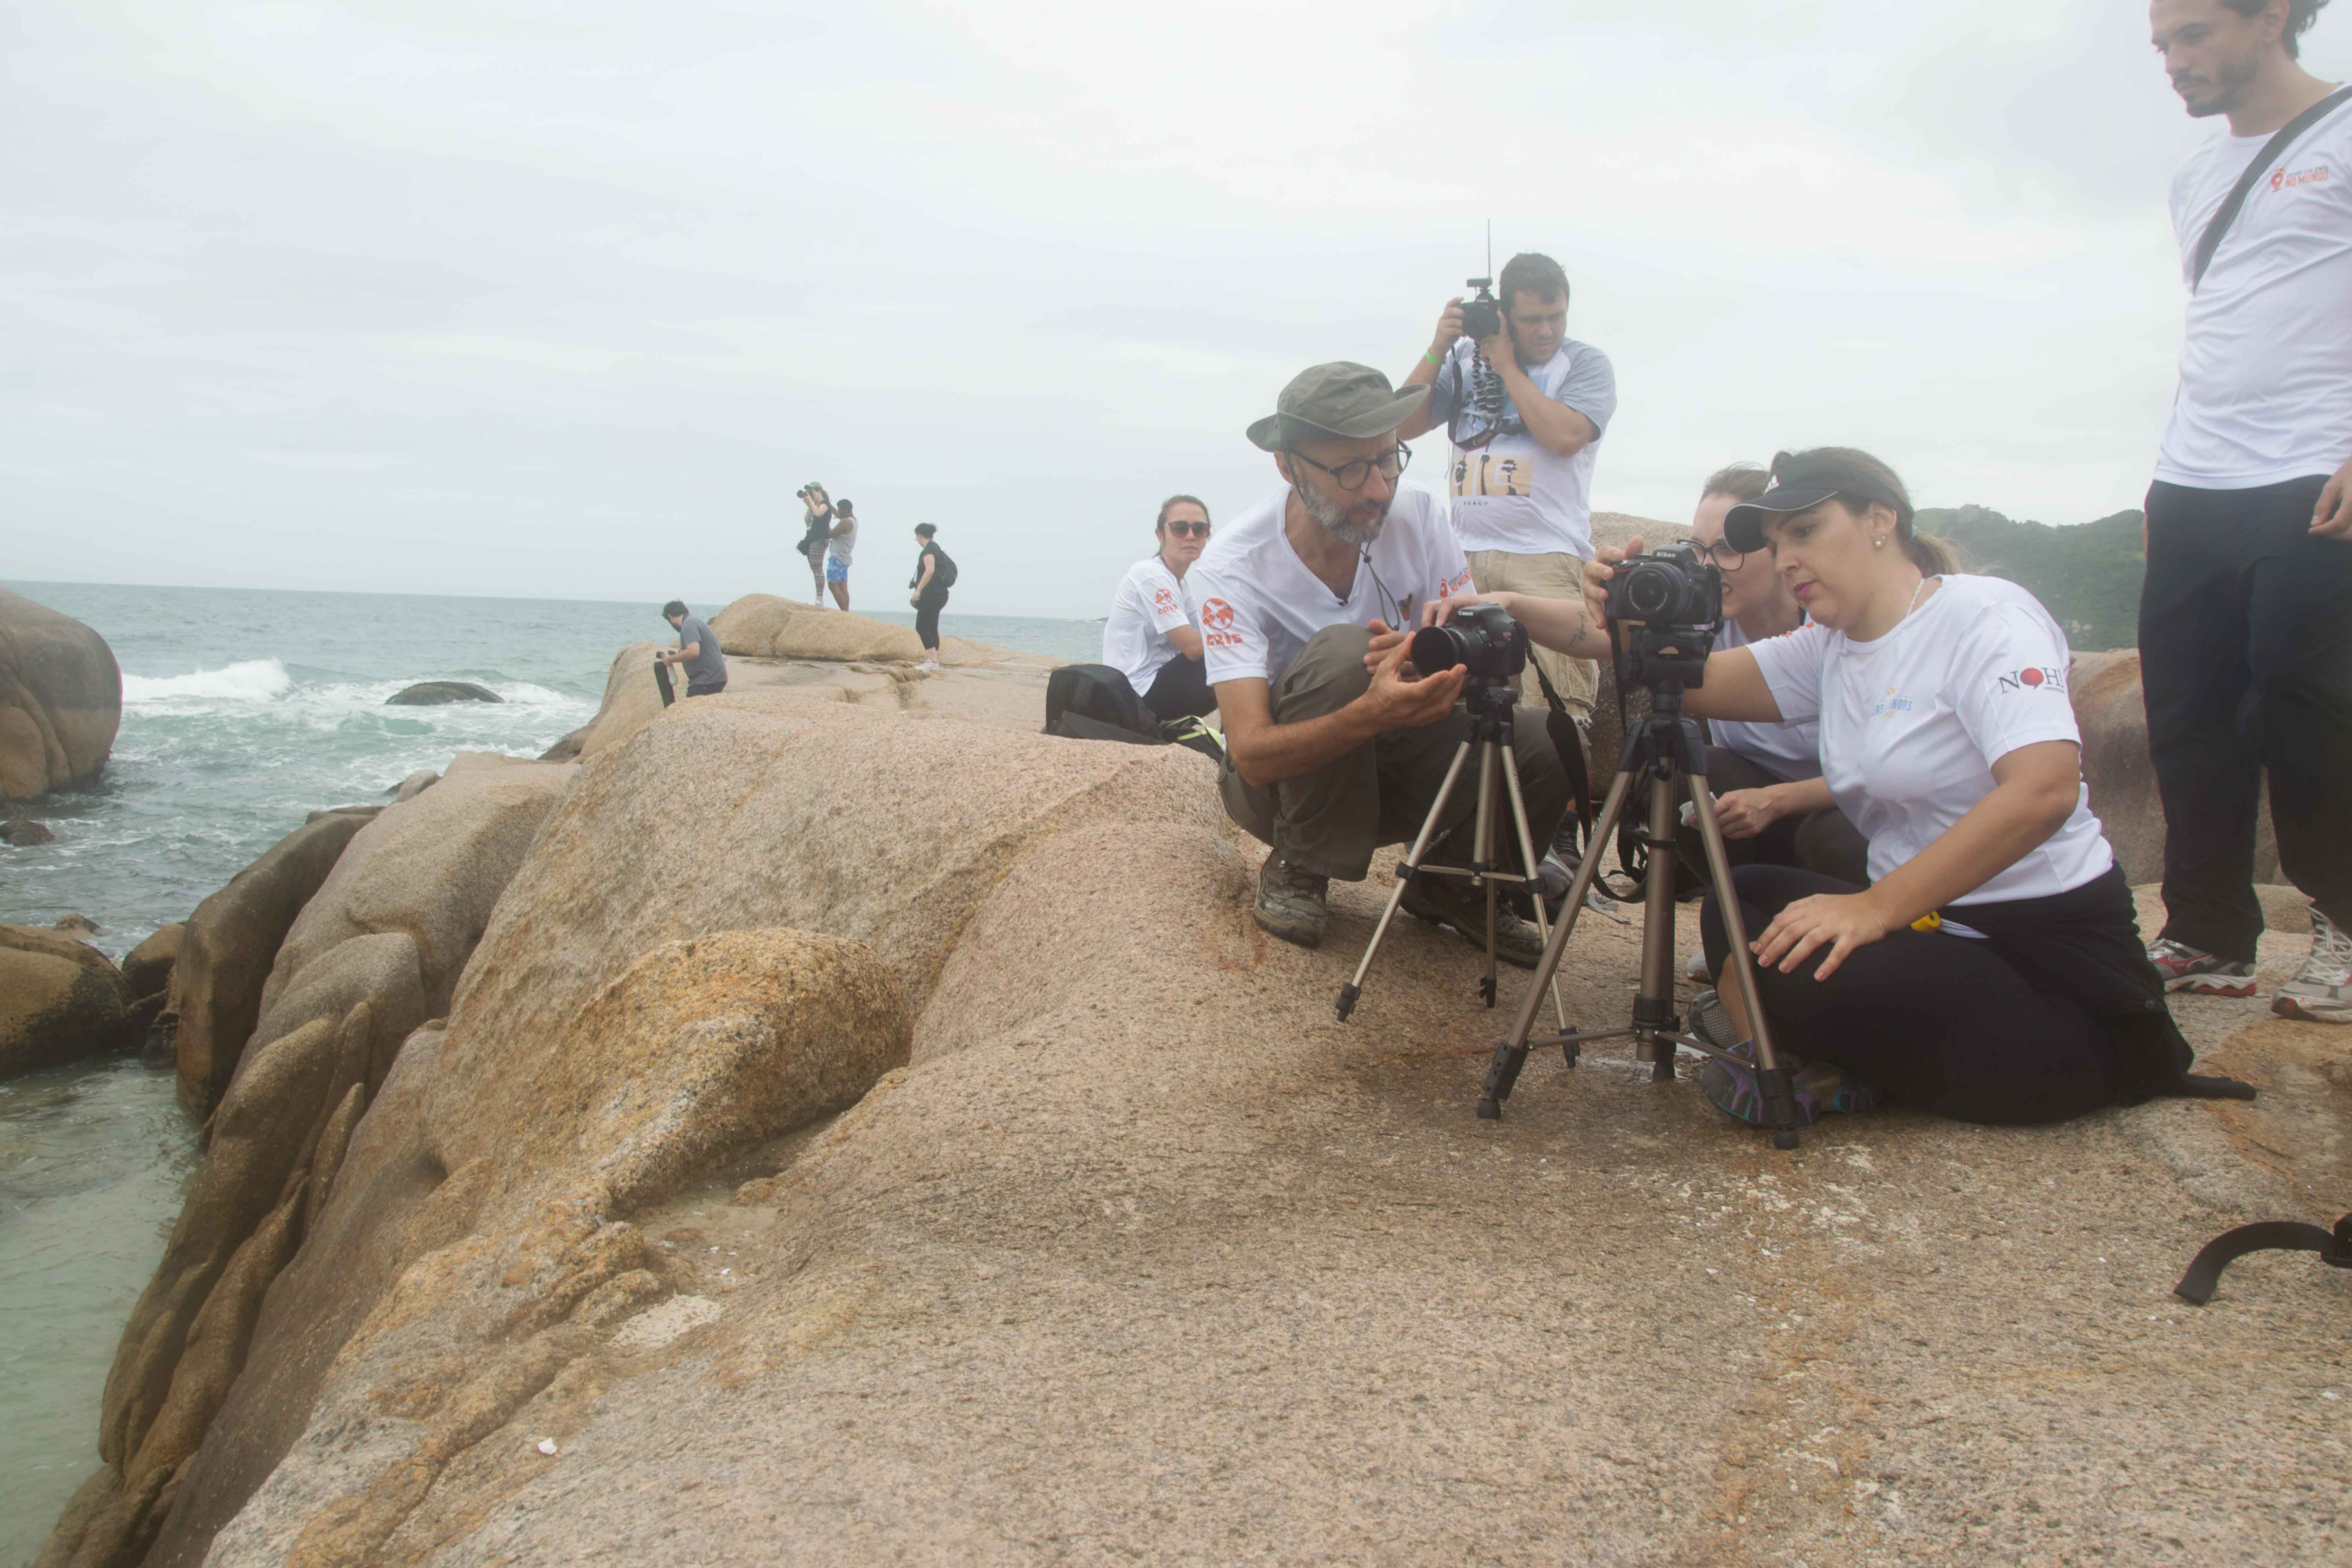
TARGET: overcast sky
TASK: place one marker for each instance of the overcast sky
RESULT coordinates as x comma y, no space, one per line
566,299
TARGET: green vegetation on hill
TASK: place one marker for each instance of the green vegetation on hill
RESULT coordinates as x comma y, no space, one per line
2087,575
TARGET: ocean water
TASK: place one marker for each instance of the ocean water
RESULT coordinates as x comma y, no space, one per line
243,710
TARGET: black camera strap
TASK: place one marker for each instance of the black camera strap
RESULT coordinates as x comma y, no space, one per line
2227,214
1569,741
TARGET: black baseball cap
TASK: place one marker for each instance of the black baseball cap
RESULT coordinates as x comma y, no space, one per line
1801,483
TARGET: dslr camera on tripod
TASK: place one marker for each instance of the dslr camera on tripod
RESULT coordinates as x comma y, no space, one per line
1675,595
1483,638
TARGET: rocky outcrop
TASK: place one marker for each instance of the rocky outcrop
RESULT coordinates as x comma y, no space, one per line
375,950
147,968
433,693
632,700
60,999
763,625
414,784
60,699
228,945
24,832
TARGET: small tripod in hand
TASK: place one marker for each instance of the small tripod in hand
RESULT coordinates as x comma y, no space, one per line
1667,751
1490,737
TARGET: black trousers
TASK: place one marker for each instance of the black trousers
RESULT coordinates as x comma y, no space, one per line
1939,1022
1180,690
2245,646
926,620
669,693
1823,841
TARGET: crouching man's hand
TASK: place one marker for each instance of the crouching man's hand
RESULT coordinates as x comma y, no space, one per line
1402,698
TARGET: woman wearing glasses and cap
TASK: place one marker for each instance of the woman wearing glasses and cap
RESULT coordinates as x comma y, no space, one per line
1992,971
1153,635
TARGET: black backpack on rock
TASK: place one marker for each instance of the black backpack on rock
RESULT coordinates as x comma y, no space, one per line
1095,702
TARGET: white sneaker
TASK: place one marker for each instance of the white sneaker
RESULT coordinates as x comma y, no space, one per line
929,666
1694,966
2321,990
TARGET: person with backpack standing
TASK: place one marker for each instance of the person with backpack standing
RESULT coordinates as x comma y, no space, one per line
2246,614
935,573
816,537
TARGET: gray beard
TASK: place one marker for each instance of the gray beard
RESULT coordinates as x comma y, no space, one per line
1333,519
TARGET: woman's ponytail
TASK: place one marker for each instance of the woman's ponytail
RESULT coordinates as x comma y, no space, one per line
1933,557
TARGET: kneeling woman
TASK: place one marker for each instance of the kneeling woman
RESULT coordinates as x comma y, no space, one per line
1993,970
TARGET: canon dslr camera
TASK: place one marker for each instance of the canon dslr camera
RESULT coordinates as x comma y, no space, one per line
1481,636
1482,314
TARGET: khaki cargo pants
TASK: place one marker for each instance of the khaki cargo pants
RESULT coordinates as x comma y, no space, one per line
1329,822
1555,576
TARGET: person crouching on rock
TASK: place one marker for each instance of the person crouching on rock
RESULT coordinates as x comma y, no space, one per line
1151,636
697,649
1329,756
1992,971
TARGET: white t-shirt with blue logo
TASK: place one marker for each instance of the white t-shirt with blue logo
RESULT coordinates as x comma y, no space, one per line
1258,603
1512,494
1912,724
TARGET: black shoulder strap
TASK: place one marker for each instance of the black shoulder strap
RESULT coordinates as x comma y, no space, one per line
2210,240
2334,1246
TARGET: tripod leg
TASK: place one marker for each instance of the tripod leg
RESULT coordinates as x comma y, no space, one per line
1528,865
1654,1006
1771,1078
1512,1054
1411,864
1482,859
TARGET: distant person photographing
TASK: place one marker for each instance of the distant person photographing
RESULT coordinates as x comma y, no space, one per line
697,649
2246,614
840,542
1152,635
935,573
817,536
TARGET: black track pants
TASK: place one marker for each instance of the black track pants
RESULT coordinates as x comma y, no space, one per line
2246,646
926,620
1937,1022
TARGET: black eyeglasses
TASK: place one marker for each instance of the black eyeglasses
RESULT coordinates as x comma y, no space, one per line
1724,555
1356,475
1187,529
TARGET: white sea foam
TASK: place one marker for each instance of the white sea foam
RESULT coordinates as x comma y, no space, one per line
251,680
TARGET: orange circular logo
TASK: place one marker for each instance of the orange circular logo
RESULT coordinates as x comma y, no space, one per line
1216,613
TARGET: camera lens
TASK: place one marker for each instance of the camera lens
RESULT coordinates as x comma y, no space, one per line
1436,649
1652,589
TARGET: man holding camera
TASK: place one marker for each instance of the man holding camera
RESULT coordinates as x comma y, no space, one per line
2246,614
1330,754
697,649
1525,406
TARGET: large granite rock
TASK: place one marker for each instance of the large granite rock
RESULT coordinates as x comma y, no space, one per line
60,999
632,700
437,693
764,625
2112,712
228,945
147,968
60,699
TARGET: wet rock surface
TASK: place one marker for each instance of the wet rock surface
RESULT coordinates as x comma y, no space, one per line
435,693
60,699
61,999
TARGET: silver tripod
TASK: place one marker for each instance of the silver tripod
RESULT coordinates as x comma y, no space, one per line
1490,737
1666,748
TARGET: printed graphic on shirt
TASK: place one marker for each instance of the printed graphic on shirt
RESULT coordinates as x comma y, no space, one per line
1484,473
1163,602
2032,678
1453,585
2281,179
1217,624
1892,703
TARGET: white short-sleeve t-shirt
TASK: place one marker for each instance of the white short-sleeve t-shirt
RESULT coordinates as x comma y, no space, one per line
1792,750
1912,724
1513,494
1150,602
1259,604
2266,363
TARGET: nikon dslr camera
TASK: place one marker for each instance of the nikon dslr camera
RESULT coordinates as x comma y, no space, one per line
1676,594
1482,637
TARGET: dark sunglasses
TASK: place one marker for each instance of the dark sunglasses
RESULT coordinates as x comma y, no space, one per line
1189,530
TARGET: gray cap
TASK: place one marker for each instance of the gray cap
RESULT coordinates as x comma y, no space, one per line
1349,402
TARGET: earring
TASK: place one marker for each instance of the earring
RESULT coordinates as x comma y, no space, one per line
1879,542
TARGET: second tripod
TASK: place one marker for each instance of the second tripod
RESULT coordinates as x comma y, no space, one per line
1666,750
1491,739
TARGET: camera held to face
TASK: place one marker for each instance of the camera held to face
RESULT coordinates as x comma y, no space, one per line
1676,594
1481,636
1482,314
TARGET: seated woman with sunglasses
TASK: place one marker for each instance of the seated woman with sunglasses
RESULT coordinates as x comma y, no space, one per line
1992,972
1153,635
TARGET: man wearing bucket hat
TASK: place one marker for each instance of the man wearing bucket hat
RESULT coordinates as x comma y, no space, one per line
1330,754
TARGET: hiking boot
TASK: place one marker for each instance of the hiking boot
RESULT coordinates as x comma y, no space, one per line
1291,902
2321,990
1451,901
1819,1087
2202,974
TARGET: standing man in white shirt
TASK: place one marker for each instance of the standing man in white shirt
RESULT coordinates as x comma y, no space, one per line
2246,615
1151,636
1330,754
1521,473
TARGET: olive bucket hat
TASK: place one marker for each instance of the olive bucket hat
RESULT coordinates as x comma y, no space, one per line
1347,401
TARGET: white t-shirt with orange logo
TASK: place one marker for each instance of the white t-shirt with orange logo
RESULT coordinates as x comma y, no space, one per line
1259,604
2266,366
1150,602
1913,722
